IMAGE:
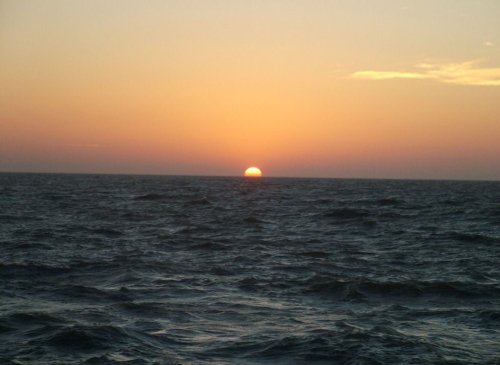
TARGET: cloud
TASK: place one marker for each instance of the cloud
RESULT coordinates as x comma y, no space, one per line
488,44
464,73
387,75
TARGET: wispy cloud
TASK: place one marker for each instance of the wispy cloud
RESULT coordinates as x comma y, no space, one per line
488,44
387,75
464,73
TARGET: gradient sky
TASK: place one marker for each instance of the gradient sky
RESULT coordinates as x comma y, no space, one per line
383,89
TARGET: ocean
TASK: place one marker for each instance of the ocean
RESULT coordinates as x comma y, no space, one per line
109,269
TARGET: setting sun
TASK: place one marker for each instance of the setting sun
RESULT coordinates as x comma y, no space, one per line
253,172
363,115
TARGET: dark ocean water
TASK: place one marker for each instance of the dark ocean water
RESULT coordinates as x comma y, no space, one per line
204,270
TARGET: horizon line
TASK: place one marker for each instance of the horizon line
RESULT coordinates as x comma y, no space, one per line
241,176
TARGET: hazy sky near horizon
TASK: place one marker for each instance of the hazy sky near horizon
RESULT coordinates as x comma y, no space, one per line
346,88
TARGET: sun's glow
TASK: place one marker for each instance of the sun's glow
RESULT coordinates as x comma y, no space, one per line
253,172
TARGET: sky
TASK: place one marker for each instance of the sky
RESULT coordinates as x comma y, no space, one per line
340,88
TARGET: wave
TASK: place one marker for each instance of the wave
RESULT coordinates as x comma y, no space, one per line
343,291
117,358
359,290
30,245
388,202
150,196
146,270
108,232
32,269
253,220
210,246
473,237
493,212
148,309
18,218
81,292
314,254
346,213
81,337
346,344
200,201
491,316
201,228
21,319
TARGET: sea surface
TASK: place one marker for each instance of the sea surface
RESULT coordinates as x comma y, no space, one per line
103,269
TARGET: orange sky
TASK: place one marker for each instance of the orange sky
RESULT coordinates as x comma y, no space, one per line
299,88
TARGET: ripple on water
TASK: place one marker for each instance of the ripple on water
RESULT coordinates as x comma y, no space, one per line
196,270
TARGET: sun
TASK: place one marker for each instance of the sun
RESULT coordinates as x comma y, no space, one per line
253,172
